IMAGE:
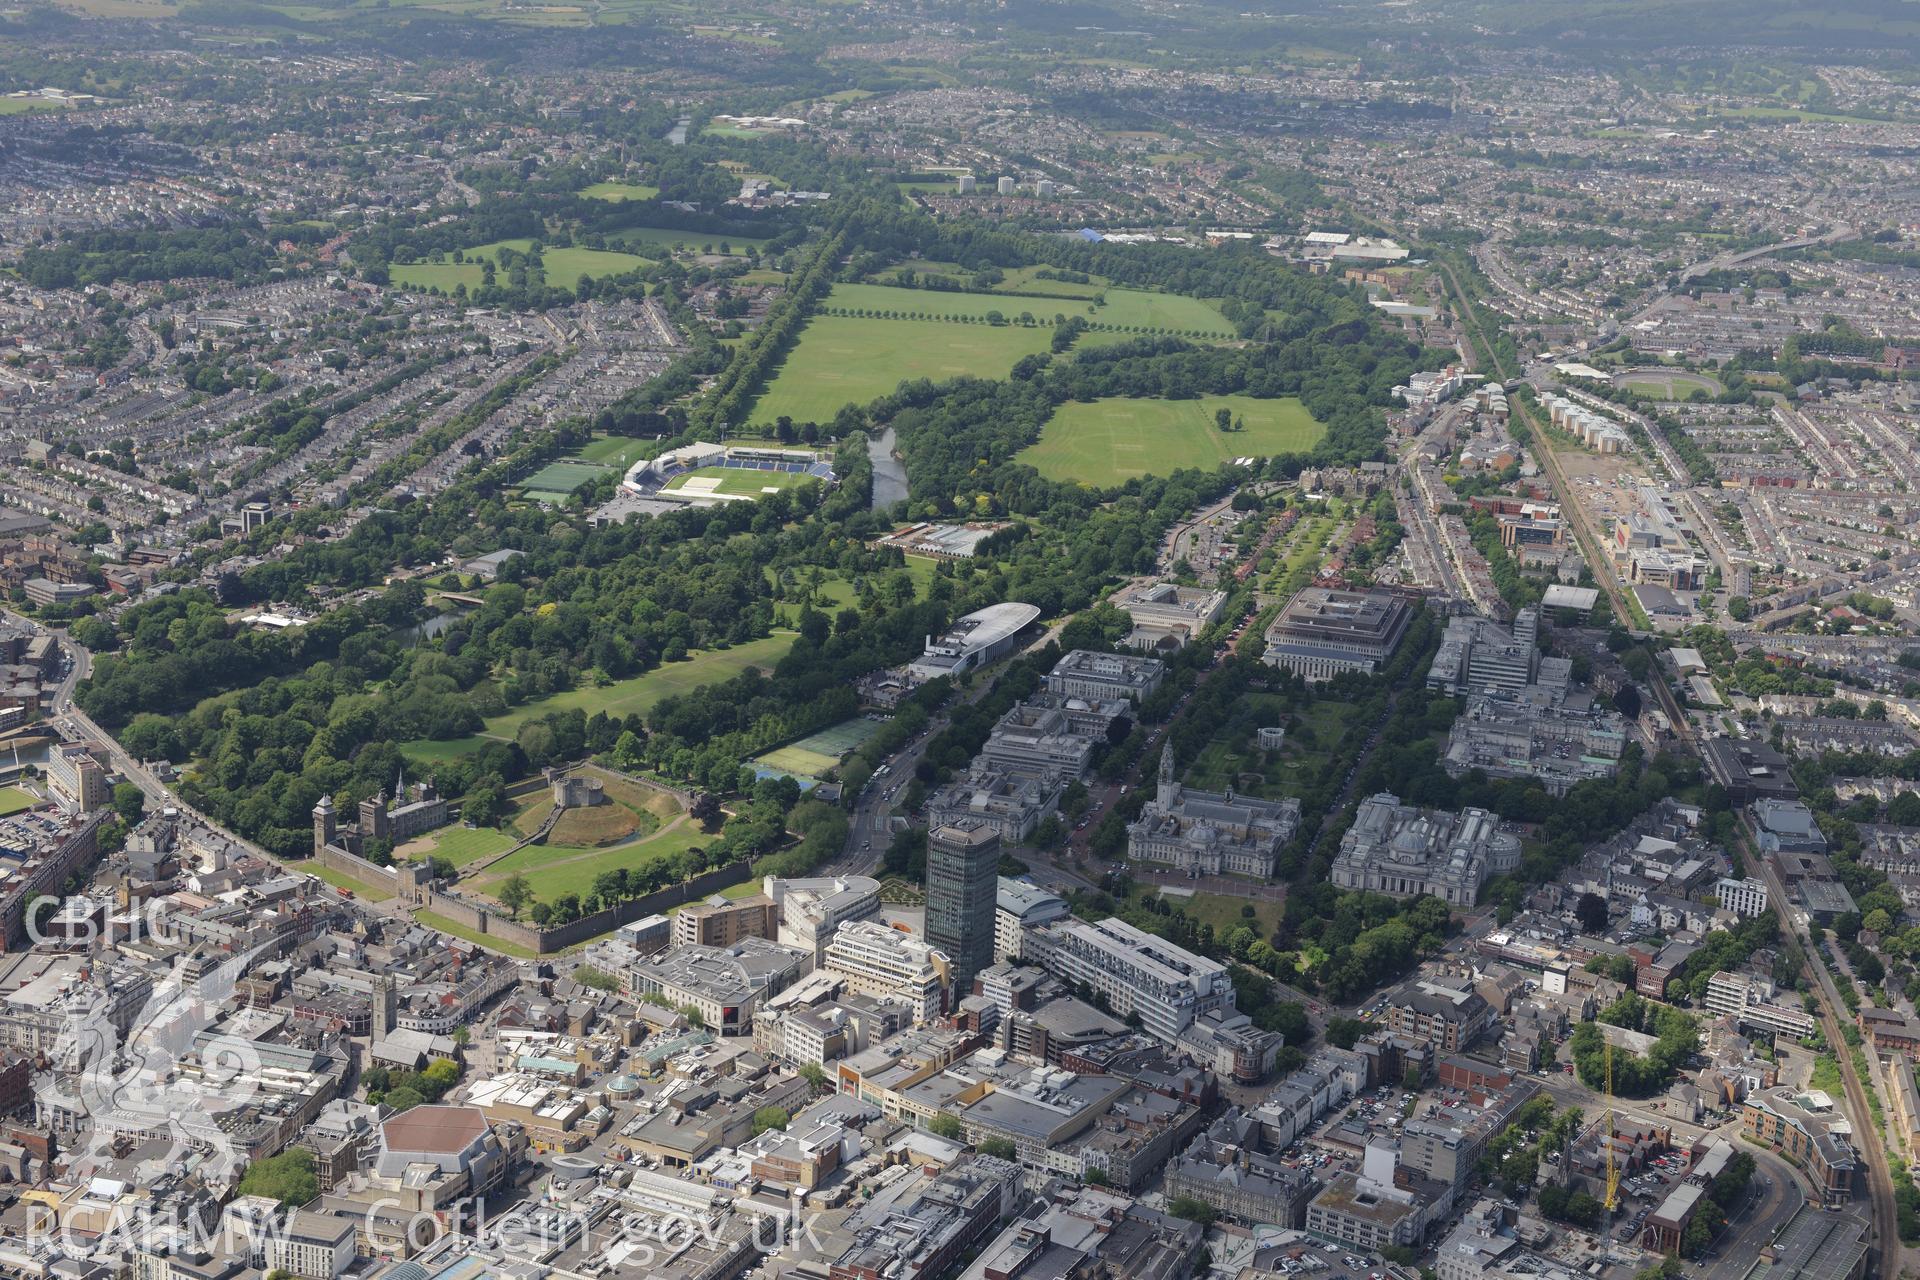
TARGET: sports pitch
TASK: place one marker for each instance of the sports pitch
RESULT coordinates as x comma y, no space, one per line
813,755
1110,441
563,477
613,451
842,360
734,481
620,191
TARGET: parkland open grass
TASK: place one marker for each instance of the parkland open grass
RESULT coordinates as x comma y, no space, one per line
443,276
842,360
655,241
641,693
1109,441
1122,308
637,694
564,267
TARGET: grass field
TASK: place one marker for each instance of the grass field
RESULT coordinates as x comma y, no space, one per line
341,881
1027,279
798,760
620,191
842,360
1669,384
1109,441
637,825
618,452
664,238
564,476
552,870
444,276
813,755
1161,311
731,892
935,302
20,106
640,693
1125,308
460,845
1222,911
14,800
638,796
563,266
735,481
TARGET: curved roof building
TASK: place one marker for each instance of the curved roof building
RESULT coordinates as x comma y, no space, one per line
973,641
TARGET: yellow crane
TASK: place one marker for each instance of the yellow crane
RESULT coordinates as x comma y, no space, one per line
1613,1170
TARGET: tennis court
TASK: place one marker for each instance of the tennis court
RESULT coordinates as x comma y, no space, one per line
818,752
563,477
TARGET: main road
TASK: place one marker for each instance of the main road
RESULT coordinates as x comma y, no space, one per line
65,714
868,829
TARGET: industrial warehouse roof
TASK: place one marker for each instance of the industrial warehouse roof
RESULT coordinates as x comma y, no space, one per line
1562,596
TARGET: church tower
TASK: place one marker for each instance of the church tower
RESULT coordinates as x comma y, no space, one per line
384,1007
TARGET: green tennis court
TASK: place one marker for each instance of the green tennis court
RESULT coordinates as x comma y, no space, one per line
837,740
816,753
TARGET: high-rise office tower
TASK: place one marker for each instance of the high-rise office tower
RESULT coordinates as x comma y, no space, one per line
963,877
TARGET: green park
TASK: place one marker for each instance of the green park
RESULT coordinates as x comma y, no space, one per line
1110,441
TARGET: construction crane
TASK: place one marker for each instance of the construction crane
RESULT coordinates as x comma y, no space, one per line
1613,1170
